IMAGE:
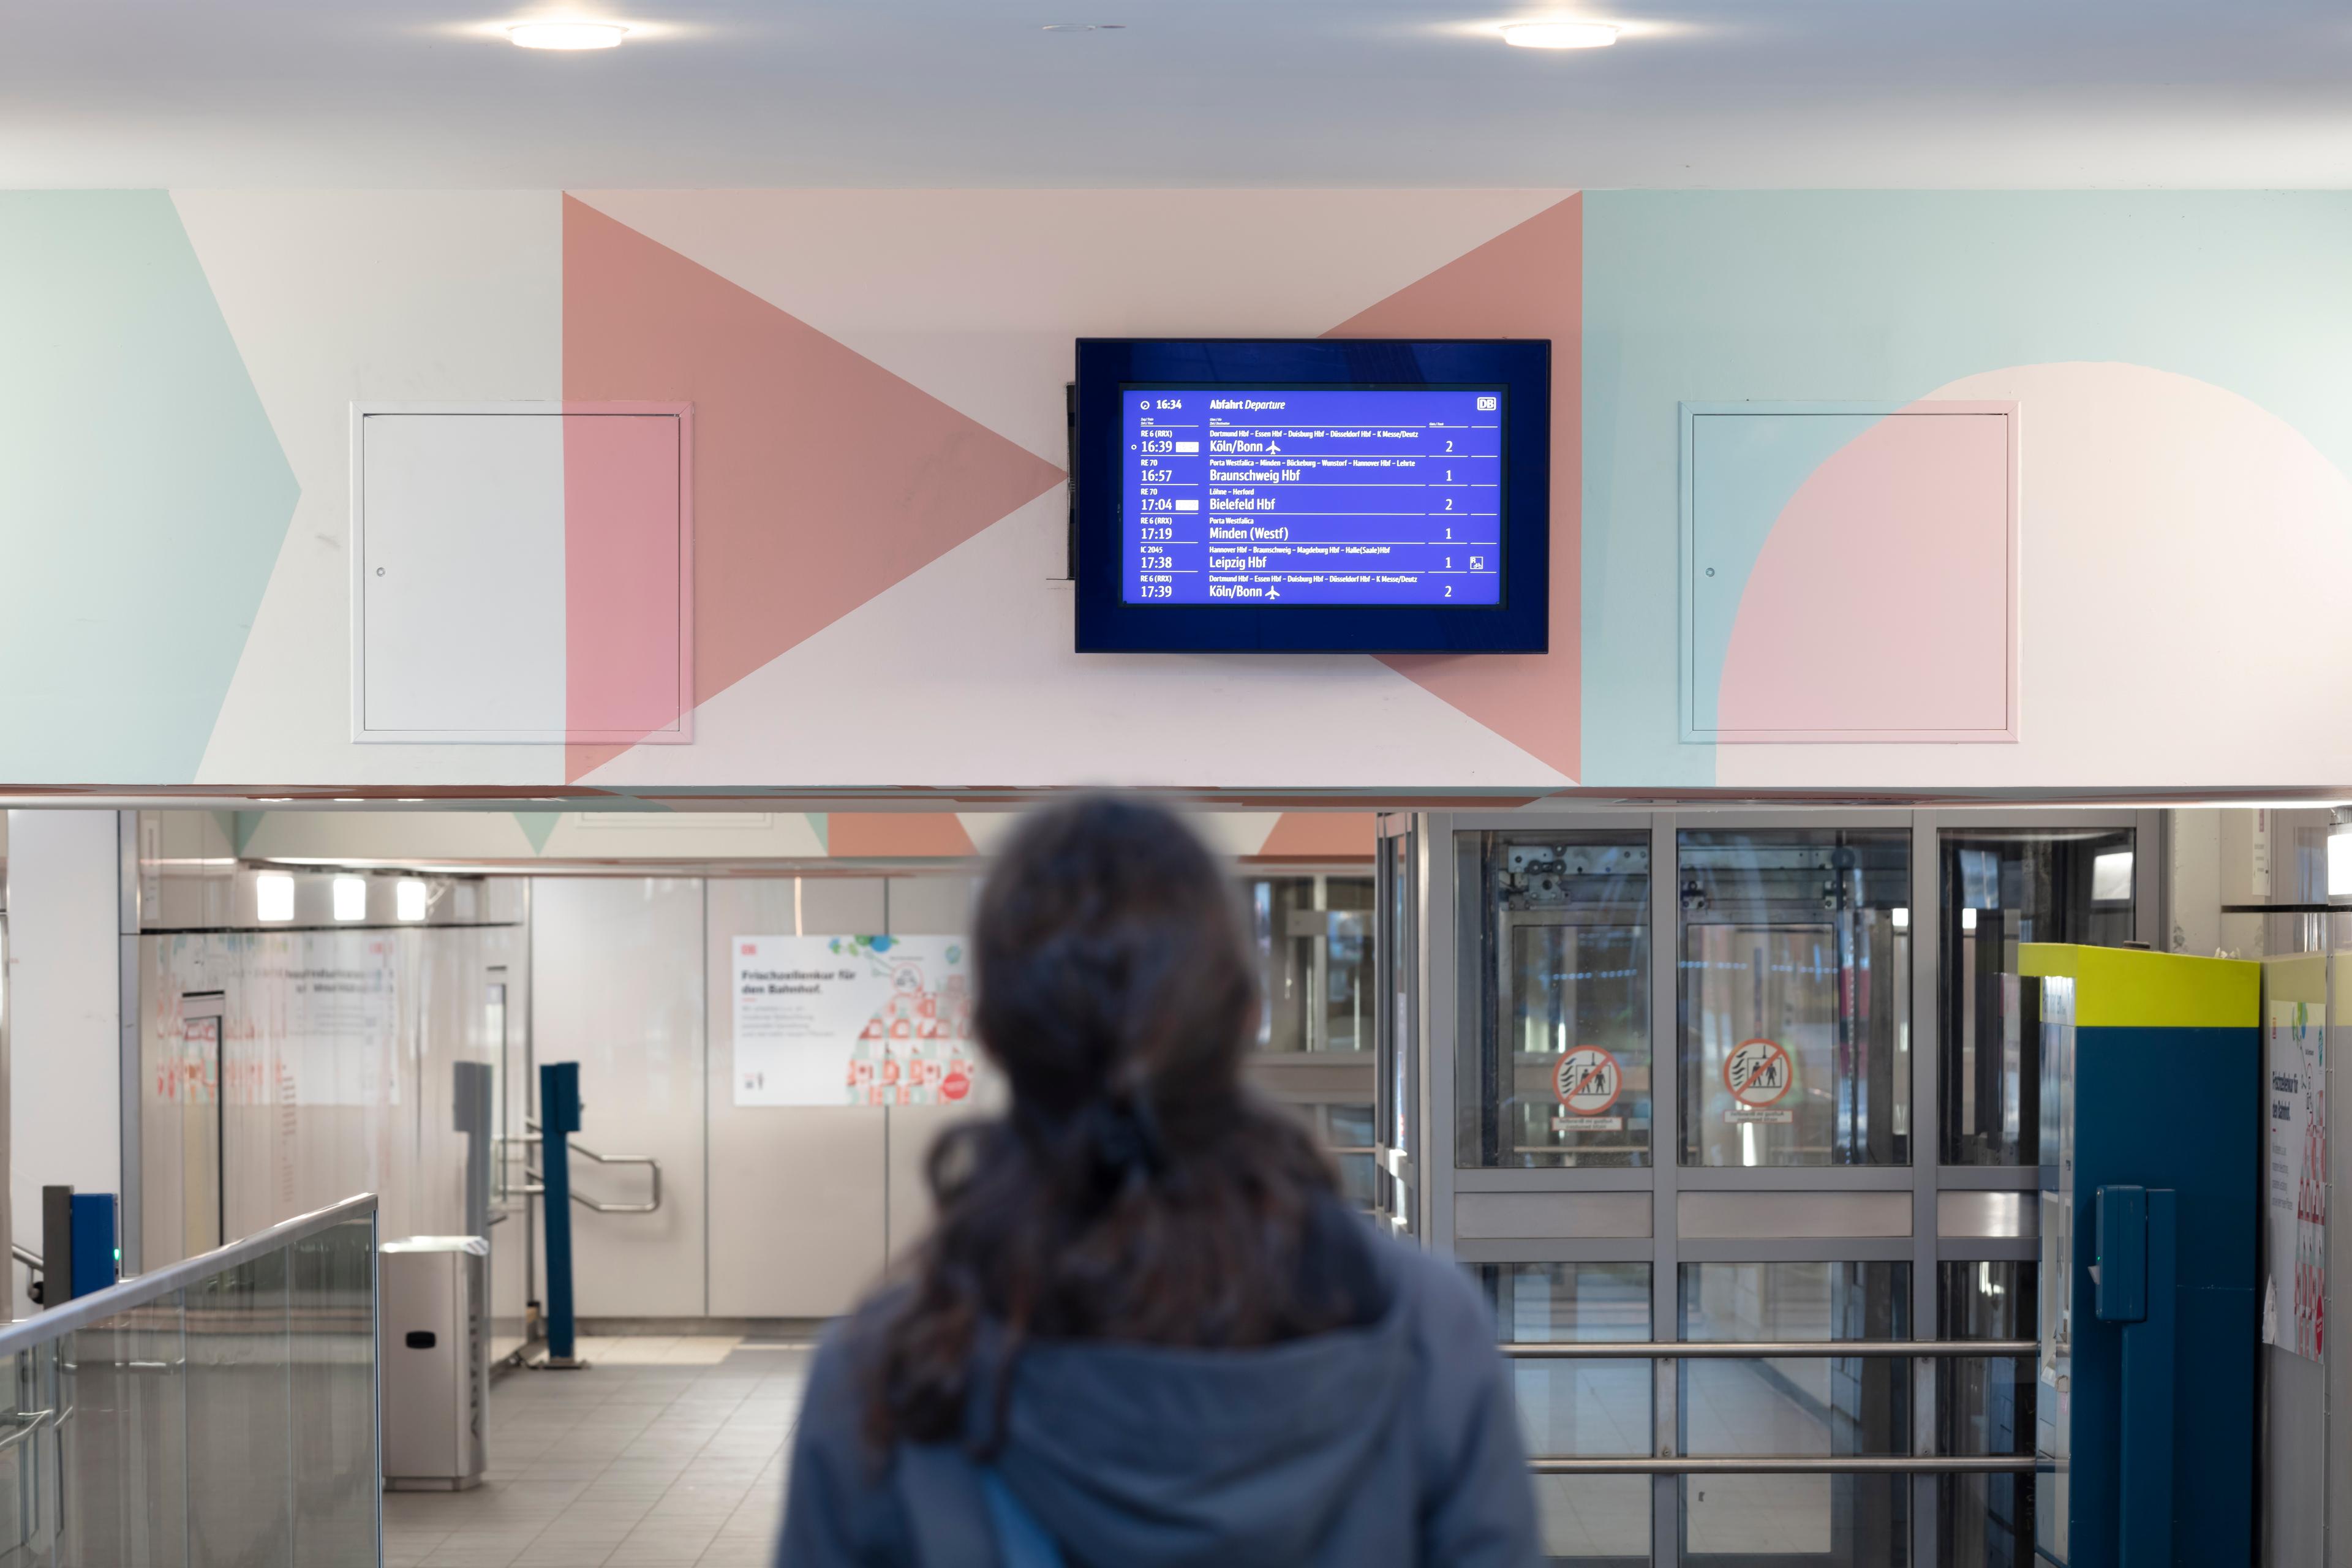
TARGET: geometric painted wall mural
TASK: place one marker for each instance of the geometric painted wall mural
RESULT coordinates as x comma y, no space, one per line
1525,283
820,478
142,495
877,546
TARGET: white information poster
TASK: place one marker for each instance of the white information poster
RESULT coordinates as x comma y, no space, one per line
853,1020
2297,1041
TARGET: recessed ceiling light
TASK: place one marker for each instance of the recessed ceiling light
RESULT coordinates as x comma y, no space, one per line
1559,35
567,34
1084,27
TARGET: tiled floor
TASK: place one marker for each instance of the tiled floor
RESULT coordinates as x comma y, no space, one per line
665,1452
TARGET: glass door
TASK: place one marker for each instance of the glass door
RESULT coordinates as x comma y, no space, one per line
1396,1066
203,1213
1722,1079
1561,1075
1796,997
1313,937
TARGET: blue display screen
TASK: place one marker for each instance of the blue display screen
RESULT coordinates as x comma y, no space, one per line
1349,495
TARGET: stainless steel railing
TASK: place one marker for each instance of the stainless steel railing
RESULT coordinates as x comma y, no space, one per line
230,1399
1668,1464
1766,1350
534,1186
140,1289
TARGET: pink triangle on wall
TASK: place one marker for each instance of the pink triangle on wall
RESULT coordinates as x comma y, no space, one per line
1526,282
1322,835
885,835
820,478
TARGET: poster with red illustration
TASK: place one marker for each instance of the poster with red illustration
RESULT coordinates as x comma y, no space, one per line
2294,1300
853,1020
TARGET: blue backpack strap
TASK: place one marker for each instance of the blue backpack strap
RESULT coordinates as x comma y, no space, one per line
946,1506
963,1515
1021,1540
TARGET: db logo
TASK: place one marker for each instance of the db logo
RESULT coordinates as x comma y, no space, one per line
750,950
955,1086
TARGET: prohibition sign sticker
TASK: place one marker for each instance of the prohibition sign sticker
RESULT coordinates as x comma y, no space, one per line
1758,1073
1587,1081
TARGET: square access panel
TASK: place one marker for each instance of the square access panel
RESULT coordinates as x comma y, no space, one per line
523,572
1849,572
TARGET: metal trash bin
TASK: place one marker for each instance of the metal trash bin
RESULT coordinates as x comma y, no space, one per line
434,1360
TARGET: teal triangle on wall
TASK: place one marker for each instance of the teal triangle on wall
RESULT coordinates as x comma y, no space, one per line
817,825
537,826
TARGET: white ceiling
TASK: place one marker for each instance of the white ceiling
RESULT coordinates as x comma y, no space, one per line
1987,93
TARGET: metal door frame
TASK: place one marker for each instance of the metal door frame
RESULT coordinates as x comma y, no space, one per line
1445,1014
213,1004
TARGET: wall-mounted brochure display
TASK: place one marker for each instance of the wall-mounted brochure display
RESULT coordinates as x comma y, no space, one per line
853,1020
1363,494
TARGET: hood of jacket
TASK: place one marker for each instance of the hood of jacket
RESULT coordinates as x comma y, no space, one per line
1157,1457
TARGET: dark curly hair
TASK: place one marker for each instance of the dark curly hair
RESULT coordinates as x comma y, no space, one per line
1137,1191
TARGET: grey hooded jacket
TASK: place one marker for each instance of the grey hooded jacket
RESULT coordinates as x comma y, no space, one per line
1386,1446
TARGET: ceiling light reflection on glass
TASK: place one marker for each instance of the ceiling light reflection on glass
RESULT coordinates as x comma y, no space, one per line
1559,35
273,896
567,35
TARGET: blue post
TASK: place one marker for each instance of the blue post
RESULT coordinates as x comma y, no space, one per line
559,1119
97,1260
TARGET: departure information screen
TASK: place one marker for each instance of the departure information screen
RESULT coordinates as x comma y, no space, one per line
1313,496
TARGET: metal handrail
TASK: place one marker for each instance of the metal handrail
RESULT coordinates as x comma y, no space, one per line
1775,1464
1764,1350
1793,1465
25,1428
99,1305
29,1257
535,1187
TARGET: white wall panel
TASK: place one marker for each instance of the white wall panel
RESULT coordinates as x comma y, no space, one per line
798,1212
65,1003
507,1043
459,523
618,987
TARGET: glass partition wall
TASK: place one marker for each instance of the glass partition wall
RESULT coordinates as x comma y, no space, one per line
1562,1075
1312,932
1725,1078
1997,891
222,1409
1796,997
